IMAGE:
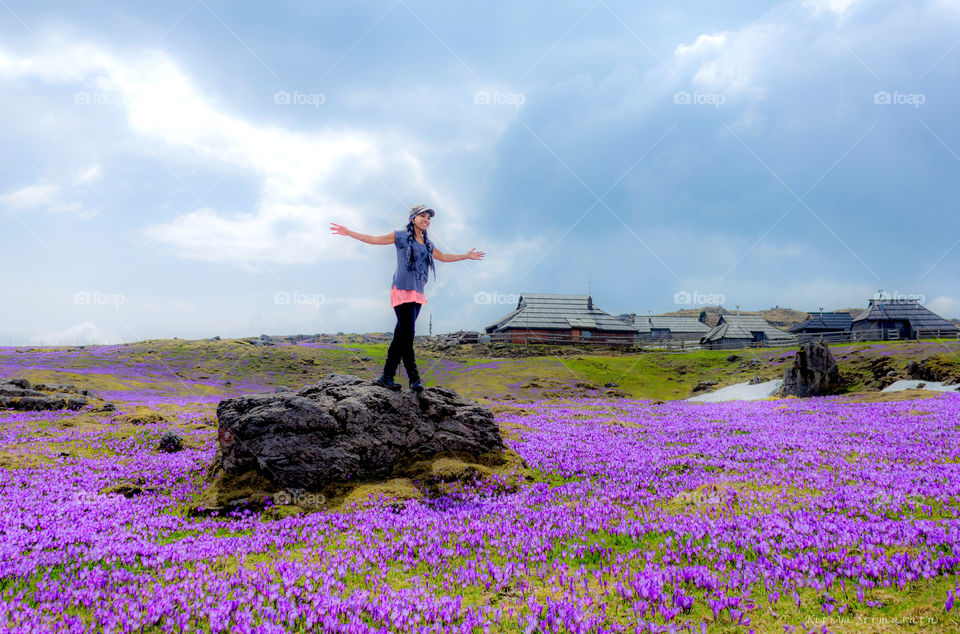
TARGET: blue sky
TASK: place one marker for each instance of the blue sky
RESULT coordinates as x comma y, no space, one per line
171,169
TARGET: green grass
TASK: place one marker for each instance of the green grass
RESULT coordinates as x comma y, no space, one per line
650,375
201,367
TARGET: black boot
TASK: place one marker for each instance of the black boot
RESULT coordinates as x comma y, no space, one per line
387,382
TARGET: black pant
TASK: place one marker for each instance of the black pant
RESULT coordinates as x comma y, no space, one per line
402,345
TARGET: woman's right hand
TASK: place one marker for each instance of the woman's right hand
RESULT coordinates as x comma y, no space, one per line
339,229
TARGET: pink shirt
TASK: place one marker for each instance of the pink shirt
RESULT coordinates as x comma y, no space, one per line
398,297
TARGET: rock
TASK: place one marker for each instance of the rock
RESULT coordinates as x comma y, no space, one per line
913,370
20,382
703,385
935,368
880,368
732,358
57,387
170,442
345,428
281,388
262,340
17,393
814,372
756,381
611,384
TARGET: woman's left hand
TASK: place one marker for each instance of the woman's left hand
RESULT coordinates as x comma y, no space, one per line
475,255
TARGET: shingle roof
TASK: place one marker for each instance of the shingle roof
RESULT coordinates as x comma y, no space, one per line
673,323
732,326
826,322
558,312
920,318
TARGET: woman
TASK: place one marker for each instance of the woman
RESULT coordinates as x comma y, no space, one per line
415,256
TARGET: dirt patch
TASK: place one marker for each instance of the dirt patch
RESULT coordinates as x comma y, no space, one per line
511,410
9,460
142,416
548,388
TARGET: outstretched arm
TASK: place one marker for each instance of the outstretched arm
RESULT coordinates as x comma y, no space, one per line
343,231
452,257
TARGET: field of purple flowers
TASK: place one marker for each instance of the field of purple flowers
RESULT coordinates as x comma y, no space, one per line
786,516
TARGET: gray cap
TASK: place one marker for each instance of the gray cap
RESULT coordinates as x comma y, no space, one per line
416,210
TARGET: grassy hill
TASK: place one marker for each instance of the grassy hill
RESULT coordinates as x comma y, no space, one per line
211,370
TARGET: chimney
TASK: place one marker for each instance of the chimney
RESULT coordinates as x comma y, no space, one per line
589,303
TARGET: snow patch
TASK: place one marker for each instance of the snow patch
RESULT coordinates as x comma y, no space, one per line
740,392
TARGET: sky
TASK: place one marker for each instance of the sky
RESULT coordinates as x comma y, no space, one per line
172,169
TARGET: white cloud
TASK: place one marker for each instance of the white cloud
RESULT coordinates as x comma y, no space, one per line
819,7
48,197
729,62
81,334
945,306
704,44
31,196
87,176
307,178
769,50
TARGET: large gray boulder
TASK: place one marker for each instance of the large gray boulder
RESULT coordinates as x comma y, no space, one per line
814,372
345,429
18,393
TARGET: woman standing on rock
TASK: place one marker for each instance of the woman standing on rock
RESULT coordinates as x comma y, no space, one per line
415,256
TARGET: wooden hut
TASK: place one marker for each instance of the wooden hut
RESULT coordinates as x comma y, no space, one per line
832,326
744,330
900,319
547,318
665,327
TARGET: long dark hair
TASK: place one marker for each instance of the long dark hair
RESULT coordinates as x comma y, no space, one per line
429,245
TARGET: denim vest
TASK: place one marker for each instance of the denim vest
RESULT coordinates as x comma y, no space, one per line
405,279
